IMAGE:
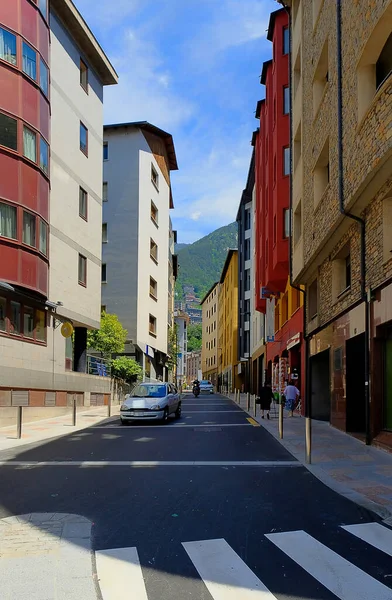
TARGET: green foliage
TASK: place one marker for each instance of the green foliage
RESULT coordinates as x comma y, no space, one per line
126,368
110,338
201,263
173,347
194,337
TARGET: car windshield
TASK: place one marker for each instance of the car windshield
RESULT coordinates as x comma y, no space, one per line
204,382
149,391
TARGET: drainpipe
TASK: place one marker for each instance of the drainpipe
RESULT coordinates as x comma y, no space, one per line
360,221
308,398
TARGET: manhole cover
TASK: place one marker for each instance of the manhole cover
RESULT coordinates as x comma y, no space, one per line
208,429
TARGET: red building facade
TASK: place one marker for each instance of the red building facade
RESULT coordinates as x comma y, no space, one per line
284,315
24,145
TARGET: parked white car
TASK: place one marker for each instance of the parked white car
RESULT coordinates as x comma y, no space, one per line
151,402
206,387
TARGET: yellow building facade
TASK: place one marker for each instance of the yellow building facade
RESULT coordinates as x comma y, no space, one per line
228,324
209,348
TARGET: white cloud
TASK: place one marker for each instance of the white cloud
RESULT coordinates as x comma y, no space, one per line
195,216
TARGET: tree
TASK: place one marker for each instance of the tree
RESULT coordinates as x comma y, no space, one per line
194,337
173,348
126,368
110,338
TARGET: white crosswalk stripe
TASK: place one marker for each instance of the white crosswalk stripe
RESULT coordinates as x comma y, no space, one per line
119,571
374,534
224,573
334,572
227,577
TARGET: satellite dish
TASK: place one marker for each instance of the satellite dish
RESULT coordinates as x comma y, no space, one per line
67,329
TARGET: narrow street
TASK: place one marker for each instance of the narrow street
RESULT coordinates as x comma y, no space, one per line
210,506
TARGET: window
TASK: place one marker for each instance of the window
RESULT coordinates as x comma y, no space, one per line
103,273
286,161
153,251
152,325
3,314
83,75
15,318
105,191
284,308
286,40
43,237
341,272
384,63
40,329
83,138
43,6
295,300
83,203
28,322
247,250
29,61
313,299
82,270
297,149
153,288
104,233
105,151
29,144
44,156
8,46
298,222
286,222
154,213
320,79
297,71
321,174
43,77
154,176
29,222
286,100
247,220
8,132
8,221
247,280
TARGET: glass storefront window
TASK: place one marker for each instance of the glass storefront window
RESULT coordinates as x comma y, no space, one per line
40,332
15,318
28,322
3,312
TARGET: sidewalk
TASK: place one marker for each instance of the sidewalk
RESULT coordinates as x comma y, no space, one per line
361,473
38,431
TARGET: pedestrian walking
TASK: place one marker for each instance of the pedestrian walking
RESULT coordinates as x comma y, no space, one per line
291,394
265,398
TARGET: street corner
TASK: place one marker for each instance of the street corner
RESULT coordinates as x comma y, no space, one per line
53,550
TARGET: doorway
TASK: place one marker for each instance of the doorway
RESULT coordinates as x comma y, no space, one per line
387,412
320,387
355,384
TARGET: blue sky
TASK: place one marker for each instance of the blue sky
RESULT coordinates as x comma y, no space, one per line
191,67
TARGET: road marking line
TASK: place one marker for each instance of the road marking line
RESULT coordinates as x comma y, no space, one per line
224,573
253,422
119,571
152,463
170,427
374,534
203,412
334,572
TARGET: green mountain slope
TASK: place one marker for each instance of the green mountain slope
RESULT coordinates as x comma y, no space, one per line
201,263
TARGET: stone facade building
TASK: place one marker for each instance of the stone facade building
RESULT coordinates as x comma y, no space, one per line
341,99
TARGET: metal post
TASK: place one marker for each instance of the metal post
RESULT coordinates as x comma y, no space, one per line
281,420
254,405
308,439
19,422
247,401
74,411
110,405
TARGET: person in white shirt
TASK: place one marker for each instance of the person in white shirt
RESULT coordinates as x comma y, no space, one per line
291,393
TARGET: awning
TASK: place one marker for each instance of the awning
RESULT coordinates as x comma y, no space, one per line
296,339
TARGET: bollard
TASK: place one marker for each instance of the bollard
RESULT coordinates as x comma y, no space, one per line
110,406
308,440
254,405
281,420
74,411
247,401
19,422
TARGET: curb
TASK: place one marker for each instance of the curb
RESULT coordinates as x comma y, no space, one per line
381,511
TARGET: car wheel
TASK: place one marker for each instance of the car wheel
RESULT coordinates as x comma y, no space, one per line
123,422
178,411
165,418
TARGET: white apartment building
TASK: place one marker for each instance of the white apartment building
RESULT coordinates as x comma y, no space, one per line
59,193
181,320
137,239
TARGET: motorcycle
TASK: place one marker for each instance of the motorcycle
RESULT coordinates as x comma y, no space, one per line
196,390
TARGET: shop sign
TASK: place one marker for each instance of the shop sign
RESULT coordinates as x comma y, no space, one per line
294,341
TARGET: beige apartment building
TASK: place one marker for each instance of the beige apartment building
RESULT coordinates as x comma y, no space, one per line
209,351
341,98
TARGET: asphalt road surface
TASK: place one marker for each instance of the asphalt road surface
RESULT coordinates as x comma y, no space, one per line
209,507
